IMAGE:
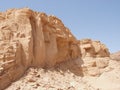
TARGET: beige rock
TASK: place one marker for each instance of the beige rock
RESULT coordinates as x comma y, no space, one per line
91,48
29,38
34,39
95,57
94,66
102,62
93,71
115,56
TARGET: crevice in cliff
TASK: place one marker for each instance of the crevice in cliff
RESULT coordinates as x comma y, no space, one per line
33,25
38,42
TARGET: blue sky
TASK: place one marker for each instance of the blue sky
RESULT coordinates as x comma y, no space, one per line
95,19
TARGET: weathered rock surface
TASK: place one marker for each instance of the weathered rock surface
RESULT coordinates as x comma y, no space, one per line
95,57
34,39
29,38
91,48
115,56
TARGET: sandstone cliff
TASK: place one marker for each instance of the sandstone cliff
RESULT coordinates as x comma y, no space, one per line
34,39
29,38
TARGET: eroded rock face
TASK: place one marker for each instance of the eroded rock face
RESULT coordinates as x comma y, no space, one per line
91,48
95,57
29,38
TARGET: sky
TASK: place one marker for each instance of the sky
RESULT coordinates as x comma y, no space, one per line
95,19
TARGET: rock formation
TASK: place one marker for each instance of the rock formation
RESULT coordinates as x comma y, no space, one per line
115,56
91,48
95,56
29,38
34,39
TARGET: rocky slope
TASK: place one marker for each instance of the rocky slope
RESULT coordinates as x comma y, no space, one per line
115,56
58,61
67,76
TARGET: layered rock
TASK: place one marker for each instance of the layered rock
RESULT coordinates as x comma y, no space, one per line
95,57
34,39
29,38
91,48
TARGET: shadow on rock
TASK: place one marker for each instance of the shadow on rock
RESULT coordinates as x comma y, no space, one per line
73,66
